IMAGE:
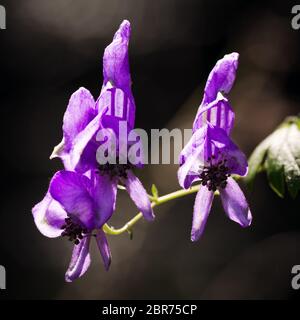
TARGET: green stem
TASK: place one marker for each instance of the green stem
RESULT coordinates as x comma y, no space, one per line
155,202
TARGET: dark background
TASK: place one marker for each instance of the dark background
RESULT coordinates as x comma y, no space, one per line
51,48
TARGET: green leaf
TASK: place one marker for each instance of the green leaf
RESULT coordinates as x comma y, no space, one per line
279,155
154,191
275,172
256,160
291,149
283,160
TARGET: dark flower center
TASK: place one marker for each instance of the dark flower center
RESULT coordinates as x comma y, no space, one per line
74,231
115,170
215,175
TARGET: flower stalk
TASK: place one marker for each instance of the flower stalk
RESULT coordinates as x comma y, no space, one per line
154,203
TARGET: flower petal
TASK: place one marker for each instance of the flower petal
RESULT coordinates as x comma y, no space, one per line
221,78
120,107
235,203
80,260
115,59
223,148
103,248
139,195
202,208
192,158
116,73
83,152
219,113
60,151
105,193
49,216
80,111
72,191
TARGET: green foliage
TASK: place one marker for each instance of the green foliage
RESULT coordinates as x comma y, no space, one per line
279,156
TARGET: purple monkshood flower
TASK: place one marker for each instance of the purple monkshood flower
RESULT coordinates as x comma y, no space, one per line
82,198
210,156
86,117
73,208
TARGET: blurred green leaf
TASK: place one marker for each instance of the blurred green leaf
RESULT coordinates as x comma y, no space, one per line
256,161
279,155
290,157
275,172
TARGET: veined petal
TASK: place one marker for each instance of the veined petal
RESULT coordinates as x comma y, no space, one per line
202,208
221,78
103,248
80,111
117,75
192,158
219,113
120,107
105,193
115,59
189,171
139,195
73,192
49,216
223,148
235,203
80,260
60,151
83,152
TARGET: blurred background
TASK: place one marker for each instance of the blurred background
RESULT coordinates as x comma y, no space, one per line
51,48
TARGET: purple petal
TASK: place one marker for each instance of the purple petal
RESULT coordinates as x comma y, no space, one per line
139,195
80,111
115,59
219,113
83,152
235,203
49,216
105,193
72,191
117,75
60,151
120,107
192,158
221,78
80,260
221,146
202,208
103,248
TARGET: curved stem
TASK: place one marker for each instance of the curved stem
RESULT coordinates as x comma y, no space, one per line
155,202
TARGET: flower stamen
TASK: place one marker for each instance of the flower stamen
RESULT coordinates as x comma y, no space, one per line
74,231
115,170
215,175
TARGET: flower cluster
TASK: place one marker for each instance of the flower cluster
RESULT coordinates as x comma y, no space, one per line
82,197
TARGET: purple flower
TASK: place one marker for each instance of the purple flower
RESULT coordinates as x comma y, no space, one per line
81,199
114,105
210,156
74,208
